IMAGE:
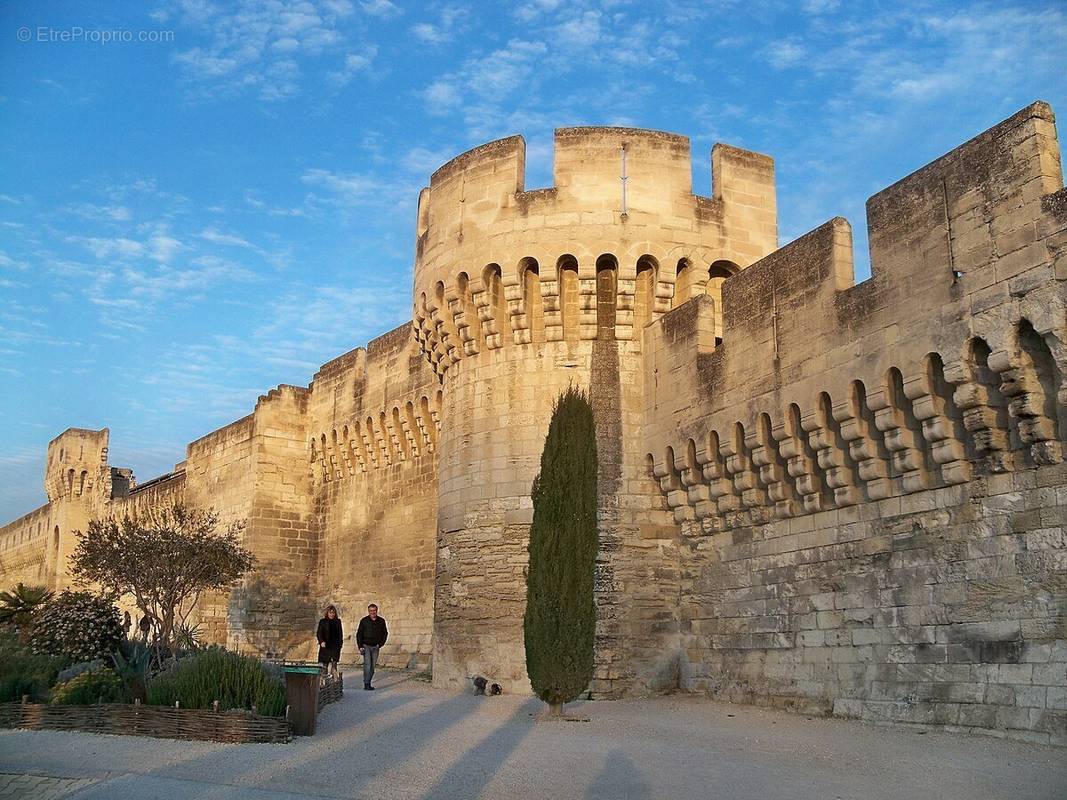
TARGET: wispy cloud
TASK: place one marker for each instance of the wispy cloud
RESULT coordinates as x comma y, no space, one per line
264,49
380,8
448,25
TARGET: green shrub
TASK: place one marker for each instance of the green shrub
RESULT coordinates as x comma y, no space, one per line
96,686
24,672
560,616
236,681
77,626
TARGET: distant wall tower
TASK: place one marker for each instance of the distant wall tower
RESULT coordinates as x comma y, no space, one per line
519,294
77,480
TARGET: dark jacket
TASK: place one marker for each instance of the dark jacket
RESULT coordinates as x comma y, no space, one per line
371,632
330,632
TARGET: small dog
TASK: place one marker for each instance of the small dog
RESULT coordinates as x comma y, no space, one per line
479,684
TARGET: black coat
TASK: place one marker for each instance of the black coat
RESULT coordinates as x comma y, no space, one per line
330,632
371,632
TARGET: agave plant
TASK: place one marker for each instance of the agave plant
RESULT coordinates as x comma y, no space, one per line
133,667
18,607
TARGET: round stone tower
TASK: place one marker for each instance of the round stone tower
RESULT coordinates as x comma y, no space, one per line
520,293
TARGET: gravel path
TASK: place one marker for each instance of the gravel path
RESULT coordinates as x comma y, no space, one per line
407,740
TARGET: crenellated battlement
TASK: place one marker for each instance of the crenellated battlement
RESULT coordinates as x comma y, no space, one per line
77,464
823,394
489,269
372,408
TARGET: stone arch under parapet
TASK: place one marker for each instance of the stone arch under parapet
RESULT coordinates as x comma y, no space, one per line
493,280
911,427
607,293
691,460
567,269
976,354
530,280
718,273
1036,350
671,467
427,420
944,393
413,426
398,428
446,323
684,273
645,291
469,311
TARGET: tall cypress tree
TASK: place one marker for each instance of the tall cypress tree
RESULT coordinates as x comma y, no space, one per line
560,616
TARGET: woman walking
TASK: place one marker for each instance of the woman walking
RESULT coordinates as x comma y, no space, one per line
330,636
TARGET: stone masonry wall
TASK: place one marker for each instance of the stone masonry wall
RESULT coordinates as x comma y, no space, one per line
26,550
868,480
372,446
942,607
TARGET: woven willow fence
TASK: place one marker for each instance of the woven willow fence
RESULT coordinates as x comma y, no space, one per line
162,722
331,689
139,720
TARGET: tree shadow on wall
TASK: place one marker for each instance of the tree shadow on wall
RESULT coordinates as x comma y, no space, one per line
272,616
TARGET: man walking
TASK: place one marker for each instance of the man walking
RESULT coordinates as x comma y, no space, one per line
370,637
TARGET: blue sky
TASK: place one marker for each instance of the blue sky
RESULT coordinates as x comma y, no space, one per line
189,220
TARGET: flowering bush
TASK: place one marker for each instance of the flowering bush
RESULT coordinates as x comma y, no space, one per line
77,626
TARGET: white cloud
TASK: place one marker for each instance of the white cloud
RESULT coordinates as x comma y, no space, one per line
215,237
447,27
820,6
93,211
429,33
583,30
110,248
442,96
353,64
255,47
379,8
163,247
785,54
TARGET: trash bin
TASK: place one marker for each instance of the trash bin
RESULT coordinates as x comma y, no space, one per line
302,695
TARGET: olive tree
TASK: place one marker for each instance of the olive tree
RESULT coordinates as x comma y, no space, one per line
164,560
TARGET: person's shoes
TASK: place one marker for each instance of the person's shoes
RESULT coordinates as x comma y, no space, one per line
368,688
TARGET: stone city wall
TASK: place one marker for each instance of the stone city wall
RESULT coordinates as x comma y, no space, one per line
839,498
868,479
371,454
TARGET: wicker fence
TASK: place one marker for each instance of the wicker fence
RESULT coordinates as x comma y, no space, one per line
331,689
139,720
162,722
